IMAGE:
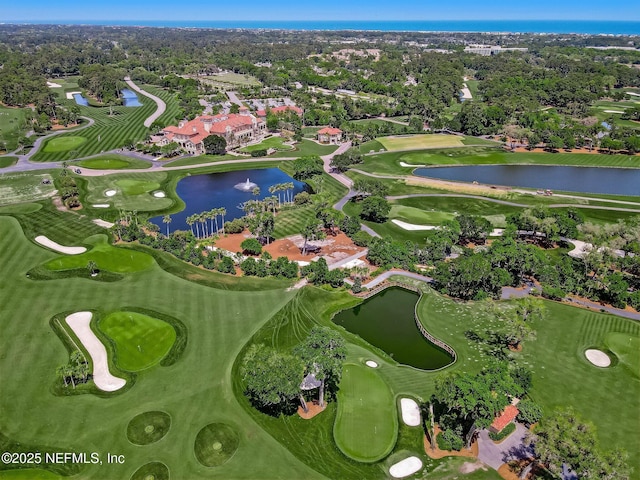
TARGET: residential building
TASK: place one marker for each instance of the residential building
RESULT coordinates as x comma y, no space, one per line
330,135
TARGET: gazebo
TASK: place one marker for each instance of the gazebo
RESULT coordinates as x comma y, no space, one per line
310,382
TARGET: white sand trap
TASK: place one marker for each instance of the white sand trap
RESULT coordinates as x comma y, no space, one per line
412,226
110,193
371,363
100,205
79,323
633,93
53,85
613,111
497,232
466,93
406,467
410,412
597,357
71,94
159,194
45,242
103,223
403,164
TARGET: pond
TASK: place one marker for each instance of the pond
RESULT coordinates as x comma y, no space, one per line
80,100
386,321
130,98
613,181
215,190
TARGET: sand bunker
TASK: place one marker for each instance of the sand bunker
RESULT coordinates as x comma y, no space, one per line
406,467
79,323
633,93
45,242
597,357
613,111
410,412
402,164
100,205
412,226
371,363
159,194
466,93
110,193
71,94
53,85
103,223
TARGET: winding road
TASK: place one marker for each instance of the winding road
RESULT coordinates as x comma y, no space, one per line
159,102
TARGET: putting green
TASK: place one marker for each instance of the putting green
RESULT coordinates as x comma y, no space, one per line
136,187
148,427
140,341
419,216
627,348
215,444
366,426
63,144
151,471
114,162
106,257
416,142
20,208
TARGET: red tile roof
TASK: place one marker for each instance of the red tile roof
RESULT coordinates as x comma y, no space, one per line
507,416
196,131
261,113
330,131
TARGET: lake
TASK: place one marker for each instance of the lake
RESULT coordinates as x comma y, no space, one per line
130,98
215,190
386,321
612,181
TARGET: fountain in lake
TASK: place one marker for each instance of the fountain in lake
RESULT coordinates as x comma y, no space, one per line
245,186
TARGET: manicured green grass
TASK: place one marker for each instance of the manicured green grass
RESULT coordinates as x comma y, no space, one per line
310,132
63,144
140,341
7,161
271,142
418,216
371,146
113,162
11,127
25,187
106,257
133,191
124,127
200,159
389,163
215,444
406,142
148,427
231,78
626,348
307,147
366,424
20,208
195,390
153,470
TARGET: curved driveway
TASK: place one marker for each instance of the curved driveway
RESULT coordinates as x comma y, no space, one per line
161,105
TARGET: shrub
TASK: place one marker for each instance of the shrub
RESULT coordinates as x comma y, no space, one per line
553,293
251,246
506,431
259,153
449,440
361,238
530,412
226,265
234,226
302,198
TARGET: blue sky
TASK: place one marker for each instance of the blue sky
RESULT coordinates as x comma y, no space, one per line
149,10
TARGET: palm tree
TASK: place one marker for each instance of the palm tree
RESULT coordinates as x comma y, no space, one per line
167,219
223,212
190,222
289,186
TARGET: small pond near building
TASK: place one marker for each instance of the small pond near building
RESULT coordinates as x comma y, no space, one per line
611,181
202,193
386,321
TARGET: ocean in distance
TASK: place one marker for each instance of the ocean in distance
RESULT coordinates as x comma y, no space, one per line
590,27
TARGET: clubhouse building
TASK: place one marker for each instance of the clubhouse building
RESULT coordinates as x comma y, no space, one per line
238,129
